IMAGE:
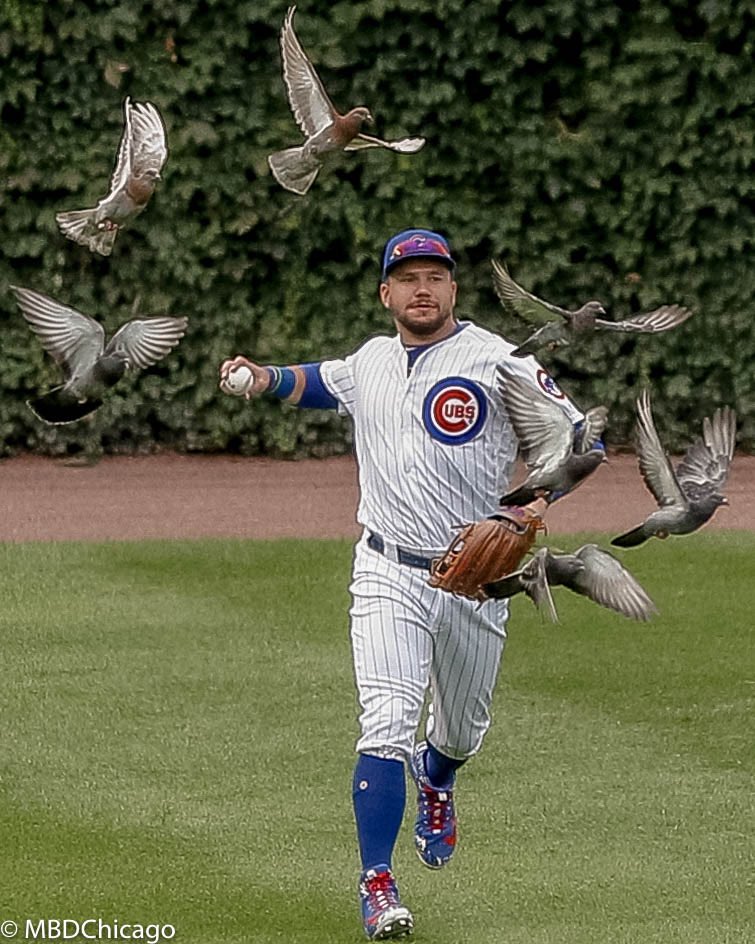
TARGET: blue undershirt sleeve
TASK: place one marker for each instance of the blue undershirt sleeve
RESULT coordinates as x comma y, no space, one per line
315,394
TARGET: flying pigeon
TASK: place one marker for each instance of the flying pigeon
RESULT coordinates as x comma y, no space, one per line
589,571
77,343
326,131
556,331
688,497
141,156
557,456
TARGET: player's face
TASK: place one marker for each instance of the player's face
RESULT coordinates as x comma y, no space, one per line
420,295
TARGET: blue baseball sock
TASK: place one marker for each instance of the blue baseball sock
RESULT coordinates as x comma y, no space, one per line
441,770
379,801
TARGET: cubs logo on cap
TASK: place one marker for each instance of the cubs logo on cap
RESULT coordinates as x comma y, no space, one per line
454,411
419,243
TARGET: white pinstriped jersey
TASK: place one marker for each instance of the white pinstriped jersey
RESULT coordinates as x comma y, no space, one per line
434,445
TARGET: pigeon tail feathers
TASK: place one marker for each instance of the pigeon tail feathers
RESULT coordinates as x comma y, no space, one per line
524,350
81,227
632,538
523,495
551,336
293,169
57,408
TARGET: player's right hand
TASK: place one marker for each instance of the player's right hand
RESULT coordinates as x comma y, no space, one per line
261,380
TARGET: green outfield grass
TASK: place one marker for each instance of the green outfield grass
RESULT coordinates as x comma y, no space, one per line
178,722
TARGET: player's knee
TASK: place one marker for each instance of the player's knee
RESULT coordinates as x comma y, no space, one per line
458,743
388,723
390,738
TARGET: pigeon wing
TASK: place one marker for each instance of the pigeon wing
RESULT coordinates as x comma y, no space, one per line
544,431
655,466
402,146
145,341
71,338
535,581
312,108
592,428
652,322
720,432
606,581
521,302
149,150
705,467
122,169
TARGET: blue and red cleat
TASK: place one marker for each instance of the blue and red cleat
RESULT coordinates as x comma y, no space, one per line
383,915
435,826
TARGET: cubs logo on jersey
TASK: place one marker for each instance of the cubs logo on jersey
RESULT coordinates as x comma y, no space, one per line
549,385
454,410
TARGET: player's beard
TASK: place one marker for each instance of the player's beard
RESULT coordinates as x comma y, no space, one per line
428,322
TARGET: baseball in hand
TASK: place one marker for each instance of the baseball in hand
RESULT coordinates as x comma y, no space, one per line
239,380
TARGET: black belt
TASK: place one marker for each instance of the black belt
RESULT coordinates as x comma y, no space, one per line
375,542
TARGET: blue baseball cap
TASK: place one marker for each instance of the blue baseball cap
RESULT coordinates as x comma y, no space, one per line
415,244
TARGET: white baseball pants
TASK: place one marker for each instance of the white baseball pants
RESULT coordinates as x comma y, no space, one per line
406,637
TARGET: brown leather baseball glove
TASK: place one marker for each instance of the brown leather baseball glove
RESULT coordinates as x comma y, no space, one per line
488,550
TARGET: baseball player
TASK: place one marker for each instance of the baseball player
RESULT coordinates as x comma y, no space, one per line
435,448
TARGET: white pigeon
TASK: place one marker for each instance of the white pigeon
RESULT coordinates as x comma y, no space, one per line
141,157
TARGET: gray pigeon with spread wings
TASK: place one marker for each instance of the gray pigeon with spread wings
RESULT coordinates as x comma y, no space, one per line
327,132
688,497
557,457
559,324
77,343
141,156
589,571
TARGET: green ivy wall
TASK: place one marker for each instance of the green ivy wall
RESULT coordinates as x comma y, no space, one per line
602,150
